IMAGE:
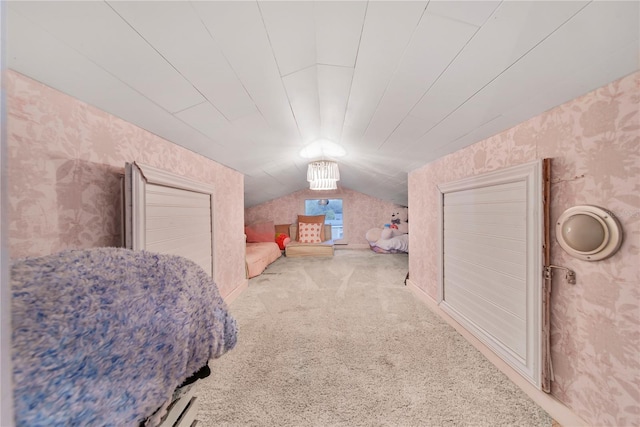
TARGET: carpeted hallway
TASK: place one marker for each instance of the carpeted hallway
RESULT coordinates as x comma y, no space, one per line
342,342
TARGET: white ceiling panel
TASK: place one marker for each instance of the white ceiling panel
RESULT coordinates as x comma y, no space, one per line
434,45
302,90
70,72
379,165
471,12
302,165
333,88
285,172
338,28
446,132
387,31
257,130
239,30
275,166
597,72
491,127
556,56
254,178
267,184
514,29
29,46
177,33
203,117
283,19
583,79
375,187
270,188
113,45
407,132
397,83
249,165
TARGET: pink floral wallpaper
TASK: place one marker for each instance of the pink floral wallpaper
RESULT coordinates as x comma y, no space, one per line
594,143
65,162
361,212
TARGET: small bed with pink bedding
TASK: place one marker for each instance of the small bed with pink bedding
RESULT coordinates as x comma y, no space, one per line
262,248
259,255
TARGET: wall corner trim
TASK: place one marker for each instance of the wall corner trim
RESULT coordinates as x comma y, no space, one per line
235,293
556,409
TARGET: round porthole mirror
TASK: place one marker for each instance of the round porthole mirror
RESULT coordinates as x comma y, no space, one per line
588,232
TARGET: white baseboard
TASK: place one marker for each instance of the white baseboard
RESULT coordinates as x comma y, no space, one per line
556,409
353,246
236,292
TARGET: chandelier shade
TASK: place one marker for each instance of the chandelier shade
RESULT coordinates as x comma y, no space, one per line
323,175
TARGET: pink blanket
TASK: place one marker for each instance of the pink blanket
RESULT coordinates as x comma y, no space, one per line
260,255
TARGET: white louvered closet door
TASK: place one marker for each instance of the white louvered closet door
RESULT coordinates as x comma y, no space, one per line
168,213
492,265
178,222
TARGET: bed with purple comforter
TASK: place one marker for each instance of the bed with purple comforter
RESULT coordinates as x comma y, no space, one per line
104,336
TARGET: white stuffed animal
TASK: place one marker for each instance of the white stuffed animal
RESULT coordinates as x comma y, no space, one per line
398,225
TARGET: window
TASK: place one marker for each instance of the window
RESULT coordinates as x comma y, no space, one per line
332,208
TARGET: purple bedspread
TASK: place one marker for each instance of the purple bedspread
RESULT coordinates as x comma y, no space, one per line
104,336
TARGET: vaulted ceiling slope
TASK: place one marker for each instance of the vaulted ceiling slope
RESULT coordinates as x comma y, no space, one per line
397,84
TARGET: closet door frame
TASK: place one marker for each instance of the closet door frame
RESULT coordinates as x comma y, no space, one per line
531,366
137,176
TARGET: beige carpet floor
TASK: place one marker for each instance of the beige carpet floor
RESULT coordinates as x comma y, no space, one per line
343,342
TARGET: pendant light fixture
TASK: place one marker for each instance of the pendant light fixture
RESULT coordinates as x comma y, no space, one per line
323,175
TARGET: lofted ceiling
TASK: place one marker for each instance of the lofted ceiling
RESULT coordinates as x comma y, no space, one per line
397,84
